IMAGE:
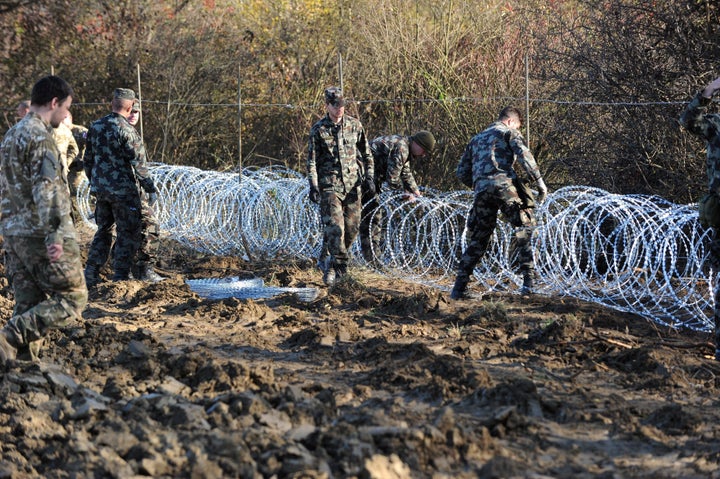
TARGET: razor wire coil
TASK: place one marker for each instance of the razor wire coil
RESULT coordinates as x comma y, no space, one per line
634,253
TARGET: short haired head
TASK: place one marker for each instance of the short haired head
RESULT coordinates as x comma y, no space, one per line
122,99
510,113
334,96
50,87
425,139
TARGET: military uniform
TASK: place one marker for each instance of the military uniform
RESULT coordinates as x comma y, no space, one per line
35,214
75,168
487,167
337,156
67,146
391,157
116,167
707,126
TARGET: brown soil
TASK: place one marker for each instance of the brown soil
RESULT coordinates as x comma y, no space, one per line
376,378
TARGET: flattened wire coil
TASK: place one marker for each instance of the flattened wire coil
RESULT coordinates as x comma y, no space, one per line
634,253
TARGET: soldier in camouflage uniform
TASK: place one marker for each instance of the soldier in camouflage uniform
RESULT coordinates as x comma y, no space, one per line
391,156
75,168
115,165
699,122
487,167
338,152
67,146
143,266
42,256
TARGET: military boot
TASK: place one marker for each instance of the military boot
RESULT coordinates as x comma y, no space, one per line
528,286
8,346
329,276
340,271
147,273
92,275
459,290
121,275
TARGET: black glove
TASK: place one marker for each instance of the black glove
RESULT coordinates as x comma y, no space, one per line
369,186
314,195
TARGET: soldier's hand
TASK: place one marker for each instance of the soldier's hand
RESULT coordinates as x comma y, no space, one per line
314,195
152,198
369,186
542,191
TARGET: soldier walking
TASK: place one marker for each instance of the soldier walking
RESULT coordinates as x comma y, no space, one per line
42,254
338,152
487,167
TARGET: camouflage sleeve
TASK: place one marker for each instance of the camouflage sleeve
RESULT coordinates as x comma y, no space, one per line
464,168
88,156
524,156
312,160
135,150
398,169
363,148
72,151
695,120
46,190
408,179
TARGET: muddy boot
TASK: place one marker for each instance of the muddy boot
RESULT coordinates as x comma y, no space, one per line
340,271
459,290
8,346
32,351
92,275
528,286
121,275
147,273
329,276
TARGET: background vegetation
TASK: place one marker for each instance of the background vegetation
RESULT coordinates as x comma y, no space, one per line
607,78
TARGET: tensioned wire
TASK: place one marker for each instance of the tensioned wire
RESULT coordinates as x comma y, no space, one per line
634,253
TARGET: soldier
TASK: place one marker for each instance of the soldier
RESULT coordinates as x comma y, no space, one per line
75,168
487,167
67,146
115,165
143,266
699,122
22,109
42,254
391,156
338,151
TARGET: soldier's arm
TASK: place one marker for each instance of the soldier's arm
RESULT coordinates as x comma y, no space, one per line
312,160
524,155
135,150
88,158
47,190
464,168
366,156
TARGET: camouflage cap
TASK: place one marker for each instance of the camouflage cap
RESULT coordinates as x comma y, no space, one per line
334,96
124,94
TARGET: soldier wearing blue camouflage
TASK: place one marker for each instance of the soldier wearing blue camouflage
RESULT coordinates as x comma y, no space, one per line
116,167
42,256
487,167
698,121
392,156
338,164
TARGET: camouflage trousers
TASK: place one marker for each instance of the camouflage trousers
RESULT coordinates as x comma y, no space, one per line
714,260
371,227
47,294
74,180
125,214
341,221
481,224
149,236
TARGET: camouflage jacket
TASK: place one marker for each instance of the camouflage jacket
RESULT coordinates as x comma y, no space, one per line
707,126
67,146
114,159
80,134
337,155
35,199
489,158
392,162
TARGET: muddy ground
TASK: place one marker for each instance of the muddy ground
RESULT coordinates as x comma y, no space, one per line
376,378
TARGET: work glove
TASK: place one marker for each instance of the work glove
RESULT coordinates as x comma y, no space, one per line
314,195
369,186
152,198
542,191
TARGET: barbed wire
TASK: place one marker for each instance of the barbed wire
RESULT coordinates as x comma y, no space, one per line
633,253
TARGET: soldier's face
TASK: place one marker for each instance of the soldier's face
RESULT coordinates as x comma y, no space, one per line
134,117
335,112
59,111
417,151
